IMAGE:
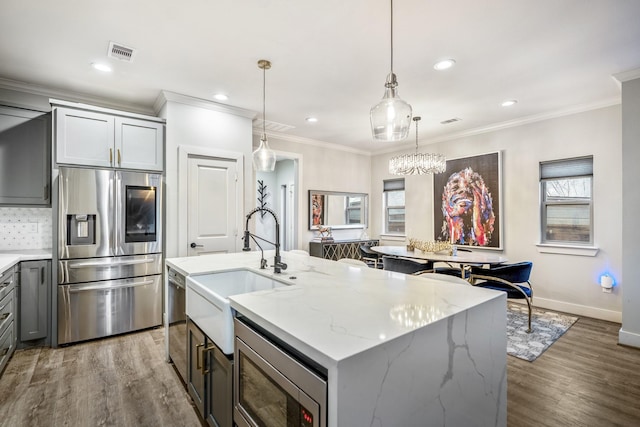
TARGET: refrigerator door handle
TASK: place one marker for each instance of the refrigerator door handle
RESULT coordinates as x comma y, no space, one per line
103,286
108,263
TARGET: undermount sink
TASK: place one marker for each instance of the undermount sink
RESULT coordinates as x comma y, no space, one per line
208,301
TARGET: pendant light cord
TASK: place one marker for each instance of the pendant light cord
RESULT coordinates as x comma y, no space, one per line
416,119
264,97
392,36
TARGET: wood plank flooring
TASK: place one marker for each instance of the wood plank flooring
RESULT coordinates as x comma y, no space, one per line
584,379
119,381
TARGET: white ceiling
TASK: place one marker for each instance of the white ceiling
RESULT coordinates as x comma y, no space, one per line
331,57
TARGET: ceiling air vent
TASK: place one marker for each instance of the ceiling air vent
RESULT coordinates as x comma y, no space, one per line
453,120
121,52
272,126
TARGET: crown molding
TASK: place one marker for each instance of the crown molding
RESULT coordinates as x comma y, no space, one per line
311,142
510,124
167,96
71,96
626,76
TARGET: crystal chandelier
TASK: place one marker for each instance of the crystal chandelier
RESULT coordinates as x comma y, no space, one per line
391,117
264,158
417,163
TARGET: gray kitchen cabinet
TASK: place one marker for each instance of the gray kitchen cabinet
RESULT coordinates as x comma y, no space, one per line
35,284
25,157
8,334
92,138
209,378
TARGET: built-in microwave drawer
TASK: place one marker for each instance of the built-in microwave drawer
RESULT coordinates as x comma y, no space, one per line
7,282
110,268
6,345
6,310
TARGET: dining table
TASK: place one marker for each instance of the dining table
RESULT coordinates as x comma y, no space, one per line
462,257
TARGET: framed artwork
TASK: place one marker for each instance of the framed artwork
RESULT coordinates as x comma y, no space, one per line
317,209
466,202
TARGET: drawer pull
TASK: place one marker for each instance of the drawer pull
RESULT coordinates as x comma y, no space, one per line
4,352
4,316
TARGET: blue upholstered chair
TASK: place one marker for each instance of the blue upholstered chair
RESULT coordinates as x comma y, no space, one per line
406,265
510,278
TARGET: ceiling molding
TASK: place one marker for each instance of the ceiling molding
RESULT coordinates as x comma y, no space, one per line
627,75
311,142
167,96
510,124
46,92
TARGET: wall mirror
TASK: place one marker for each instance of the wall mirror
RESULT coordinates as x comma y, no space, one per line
337,210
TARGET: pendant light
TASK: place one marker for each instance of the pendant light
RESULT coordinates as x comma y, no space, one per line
391,117
264,158
417,163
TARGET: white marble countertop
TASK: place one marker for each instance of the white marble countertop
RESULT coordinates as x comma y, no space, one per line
10,258
333,310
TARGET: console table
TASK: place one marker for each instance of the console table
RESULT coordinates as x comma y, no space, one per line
339,248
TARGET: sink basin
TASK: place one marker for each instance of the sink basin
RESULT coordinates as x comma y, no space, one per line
208,301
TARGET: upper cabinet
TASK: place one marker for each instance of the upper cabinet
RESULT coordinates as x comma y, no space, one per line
25,157
93,138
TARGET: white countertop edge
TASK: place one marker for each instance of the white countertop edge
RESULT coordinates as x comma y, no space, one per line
10,258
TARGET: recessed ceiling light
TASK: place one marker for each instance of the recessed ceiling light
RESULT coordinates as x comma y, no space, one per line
101,67
445,64
220,97
509,103
311,119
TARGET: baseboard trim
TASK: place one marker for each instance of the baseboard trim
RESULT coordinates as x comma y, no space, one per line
628,338
579,310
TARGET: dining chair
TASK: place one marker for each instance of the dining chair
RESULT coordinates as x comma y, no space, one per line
370,257
406,265
443,277
510,278
353,262
299,252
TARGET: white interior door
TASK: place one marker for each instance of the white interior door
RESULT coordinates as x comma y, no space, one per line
211,205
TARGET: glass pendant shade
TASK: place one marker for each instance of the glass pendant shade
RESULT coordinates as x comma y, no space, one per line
264,158
391,117
417,163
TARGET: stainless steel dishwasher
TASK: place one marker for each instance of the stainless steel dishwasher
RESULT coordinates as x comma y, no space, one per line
177,321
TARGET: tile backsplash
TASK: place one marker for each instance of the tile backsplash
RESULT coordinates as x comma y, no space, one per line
25,228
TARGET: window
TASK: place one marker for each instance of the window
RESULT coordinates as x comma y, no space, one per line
393,200
566,204
352,210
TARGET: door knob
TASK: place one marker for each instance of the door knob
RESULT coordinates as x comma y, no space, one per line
193,245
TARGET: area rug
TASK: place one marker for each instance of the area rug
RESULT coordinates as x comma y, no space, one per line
546,327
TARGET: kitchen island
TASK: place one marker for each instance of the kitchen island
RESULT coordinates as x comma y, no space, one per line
398,350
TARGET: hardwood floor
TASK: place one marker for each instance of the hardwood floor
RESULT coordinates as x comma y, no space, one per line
119,381
583,379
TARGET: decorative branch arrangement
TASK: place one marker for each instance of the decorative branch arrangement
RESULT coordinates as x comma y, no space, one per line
262,196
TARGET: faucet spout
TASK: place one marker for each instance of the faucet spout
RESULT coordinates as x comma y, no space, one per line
278,265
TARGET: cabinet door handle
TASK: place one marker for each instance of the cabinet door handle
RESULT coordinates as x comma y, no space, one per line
4,351
119,159
205,369
198,355
42,275
110,156
5,315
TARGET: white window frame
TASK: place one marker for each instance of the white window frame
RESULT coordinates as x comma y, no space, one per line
392,185
581,167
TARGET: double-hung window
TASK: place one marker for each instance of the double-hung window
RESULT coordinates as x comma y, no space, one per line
393,200
352,210
566,201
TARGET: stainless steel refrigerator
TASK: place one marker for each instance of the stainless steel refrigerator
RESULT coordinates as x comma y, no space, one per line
109,252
